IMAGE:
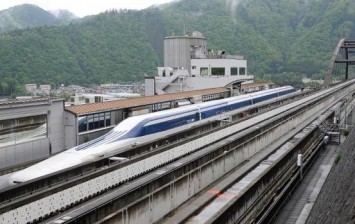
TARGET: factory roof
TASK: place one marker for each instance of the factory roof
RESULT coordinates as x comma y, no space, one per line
26,101
256,84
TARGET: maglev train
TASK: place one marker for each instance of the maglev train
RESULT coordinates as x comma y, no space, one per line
139,130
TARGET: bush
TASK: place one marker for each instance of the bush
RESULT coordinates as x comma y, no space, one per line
337,158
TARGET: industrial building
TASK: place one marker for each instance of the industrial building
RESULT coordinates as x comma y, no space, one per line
190,65
30,130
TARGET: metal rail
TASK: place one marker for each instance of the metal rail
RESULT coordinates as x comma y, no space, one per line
285,193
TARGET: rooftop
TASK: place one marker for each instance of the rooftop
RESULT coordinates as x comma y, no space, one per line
141,101
25,102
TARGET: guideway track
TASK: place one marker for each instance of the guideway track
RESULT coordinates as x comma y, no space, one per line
70,175
164,176
136,153
98,185
267,179
219,190
161,183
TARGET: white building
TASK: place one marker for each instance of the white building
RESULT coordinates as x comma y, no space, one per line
188,65
46,89
31,88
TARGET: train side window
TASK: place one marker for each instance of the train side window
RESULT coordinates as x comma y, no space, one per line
197,116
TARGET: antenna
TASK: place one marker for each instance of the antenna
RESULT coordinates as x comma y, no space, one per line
184,31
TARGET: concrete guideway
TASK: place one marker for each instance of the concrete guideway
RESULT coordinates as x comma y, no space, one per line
150,198
218,197
300,205
99,184
298,208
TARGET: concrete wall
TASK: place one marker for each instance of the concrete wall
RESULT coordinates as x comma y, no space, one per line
149,89
178,50
71,130
194,83
24,152
56,127
217,63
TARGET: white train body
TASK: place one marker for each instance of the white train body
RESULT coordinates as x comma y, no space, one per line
139,130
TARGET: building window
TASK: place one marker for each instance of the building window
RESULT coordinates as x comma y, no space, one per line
218,71
234,71
82,124
241,71
102,120
157,107
211,97
108,119
94,121
90,120
193,67
204,71
22,129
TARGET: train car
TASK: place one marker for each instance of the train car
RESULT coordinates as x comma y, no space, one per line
142,129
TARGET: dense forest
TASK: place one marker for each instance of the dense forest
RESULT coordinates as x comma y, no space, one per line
279,38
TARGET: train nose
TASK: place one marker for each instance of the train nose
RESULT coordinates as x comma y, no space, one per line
14,180
54,164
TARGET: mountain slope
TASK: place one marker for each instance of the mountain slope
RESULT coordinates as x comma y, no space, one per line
27,16
275,36
112,47
63,15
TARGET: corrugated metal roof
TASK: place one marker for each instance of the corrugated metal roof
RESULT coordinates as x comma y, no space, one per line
23,102
256,84
141,101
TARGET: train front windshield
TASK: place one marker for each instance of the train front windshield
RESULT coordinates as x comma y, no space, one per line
105,139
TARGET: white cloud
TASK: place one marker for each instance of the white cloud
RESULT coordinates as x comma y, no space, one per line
84,7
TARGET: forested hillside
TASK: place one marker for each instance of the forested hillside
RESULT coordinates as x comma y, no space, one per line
27,16
275,36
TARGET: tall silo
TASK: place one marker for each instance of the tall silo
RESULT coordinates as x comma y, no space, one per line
178,50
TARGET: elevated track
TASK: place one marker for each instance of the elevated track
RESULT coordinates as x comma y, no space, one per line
208,157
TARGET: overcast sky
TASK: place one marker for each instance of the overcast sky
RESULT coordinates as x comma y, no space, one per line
84,7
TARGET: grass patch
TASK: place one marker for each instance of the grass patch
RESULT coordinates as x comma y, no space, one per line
337,158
